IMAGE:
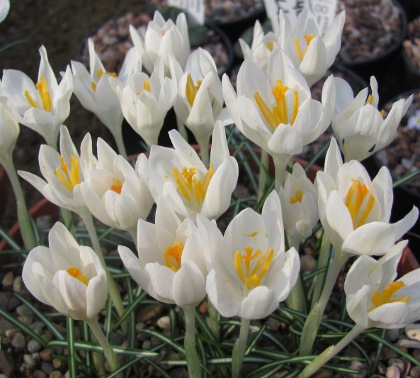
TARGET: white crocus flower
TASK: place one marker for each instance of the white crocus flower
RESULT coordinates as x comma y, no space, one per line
355,210
146,100
359,126
374,299
9,131
299,204
311,52
4,9
276,111
62,172
170,265
163,38
95,93
200,101
180,175
261,48
67,276
114,192
250,270
42,107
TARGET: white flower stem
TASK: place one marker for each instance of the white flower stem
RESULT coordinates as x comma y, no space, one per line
280,166
262,178
330,352
193,362
324,256
120,142
114,293
182,129
311,326
103,342
24,219
238,352
204,151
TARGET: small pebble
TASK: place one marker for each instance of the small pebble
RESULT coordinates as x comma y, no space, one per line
17,284
393,372
47,367
405,343
8,279
57,363
147,344
164,322
46,354
55,374
413,332
19,341
33,346
40,374
29,359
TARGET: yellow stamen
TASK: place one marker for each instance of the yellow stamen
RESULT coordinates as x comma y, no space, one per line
308,38
191,188
101,72
44,92
384,297
192,89
270,45
75,272
359,202
369,100
297,198
69,178
173,254
252,267
278,113
146,85
117,185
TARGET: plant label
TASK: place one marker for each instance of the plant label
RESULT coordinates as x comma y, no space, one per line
194,7
290,7
324,11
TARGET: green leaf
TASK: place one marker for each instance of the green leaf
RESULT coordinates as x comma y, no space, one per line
71,349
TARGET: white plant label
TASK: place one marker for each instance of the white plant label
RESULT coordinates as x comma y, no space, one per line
324,11
290,7
194,7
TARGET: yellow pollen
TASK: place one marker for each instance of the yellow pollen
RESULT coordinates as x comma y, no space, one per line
252,234
116,185
75,272
308,38
44,92
192,89
191,188
101,72
278,114
173,254
359,202
69,178
297,198
369,100
146,85
252,266
270,45
384,297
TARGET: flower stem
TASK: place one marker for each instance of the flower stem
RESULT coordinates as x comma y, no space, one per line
280,166
103,342
112,286
193,362
24,219
311,326
262,178
330,352
238,352
204,151
120,142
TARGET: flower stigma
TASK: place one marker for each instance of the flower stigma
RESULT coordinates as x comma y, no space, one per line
308,39
75,272
173,254
359,201
44,92
116,185
297,198
252,266
192,89
192,188
69,178
384,297
278,114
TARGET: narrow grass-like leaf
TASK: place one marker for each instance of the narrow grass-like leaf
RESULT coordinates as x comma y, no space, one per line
11,319
86,337
319,153
406,178
165,339
378,353
12,243
71,349
11,44
158,368
125,367
51,326
133,305
254,340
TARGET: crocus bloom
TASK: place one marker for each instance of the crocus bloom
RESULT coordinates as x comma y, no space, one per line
170,265
146,100
9,131
311,52
94,91
67,276
250,270
42,107
374,299
299,204
4,9
355,210
62,172
200,101
179,174
275,110
113,191
163,38
359,126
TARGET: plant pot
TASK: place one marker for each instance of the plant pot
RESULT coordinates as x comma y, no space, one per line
372,36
